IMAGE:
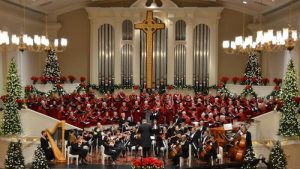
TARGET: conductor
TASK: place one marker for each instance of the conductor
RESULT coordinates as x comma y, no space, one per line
145,130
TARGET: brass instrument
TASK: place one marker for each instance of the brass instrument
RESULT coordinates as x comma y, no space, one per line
58,147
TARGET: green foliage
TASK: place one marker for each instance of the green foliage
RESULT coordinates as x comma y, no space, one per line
249,157
52,70
11,118
14,157
252,70
289,125
277,158
39,159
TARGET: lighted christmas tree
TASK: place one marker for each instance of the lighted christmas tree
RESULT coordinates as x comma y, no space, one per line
39,159
51,70
11,119
14,157
252,71
289,125
277,158
249,158
13,84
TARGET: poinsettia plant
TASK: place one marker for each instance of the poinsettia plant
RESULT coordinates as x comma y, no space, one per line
170,87
44,79
265,81
34,79
224,79
28,88
4,98
62,79
297,100
277,81
136,87
149,163
235,79
254,80
82,79
243,79
71,78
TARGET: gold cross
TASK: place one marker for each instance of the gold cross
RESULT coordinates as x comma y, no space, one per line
149,26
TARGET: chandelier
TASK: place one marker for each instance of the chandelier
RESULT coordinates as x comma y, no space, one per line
264,41
37,43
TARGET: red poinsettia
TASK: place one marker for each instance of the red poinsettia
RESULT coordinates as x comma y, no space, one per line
265,81
254,79
235,79
34,79
28,88
170,87
82,79
277,88
147,162
243,79
59,86
248,87
71,78
277,81
4,98
220,86
44,79
135,87
82,84
20,101
62,79
224,79
297,100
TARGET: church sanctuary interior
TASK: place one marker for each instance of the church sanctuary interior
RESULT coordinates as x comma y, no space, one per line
149,84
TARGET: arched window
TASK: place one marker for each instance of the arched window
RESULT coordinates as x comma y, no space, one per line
106,55
201,54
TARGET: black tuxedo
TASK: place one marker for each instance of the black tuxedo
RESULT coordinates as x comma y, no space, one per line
145,130
46,148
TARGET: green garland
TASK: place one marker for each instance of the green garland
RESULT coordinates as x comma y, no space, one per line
248,90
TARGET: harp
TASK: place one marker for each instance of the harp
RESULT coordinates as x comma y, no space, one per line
56,138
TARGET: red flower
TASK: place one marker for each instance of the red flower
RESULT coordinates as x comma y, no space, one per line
71,78
248,87
220,86
62,79
20,101
82,79
28,88
254,79
235,79
43,79
147,162
224,79
4,98
297,100
136,87
243,79
277,81
34,79
265,81
170,87
277,88
58,86
82,84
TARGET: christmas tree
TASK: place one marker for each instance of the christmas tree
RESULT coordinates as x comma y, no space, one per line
252,71
51,70
14,157
13,84
39,160
277,158
11,118
249,158
289,125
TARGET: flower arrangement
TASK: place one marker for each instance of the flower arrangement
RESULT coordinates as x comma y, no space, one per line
136,87
71,78
82,79
28,88
34,79
170,87
59,86
4,98
254,80
265,81
243,79
82,84
224,79
62,79
147,163
235,79
277,81
44,79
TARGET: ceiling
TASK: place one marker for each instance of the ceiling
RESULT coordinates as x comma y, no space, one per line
57,7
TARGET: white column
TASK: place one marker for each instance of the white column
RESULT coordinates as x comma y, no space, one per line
189,52
136,55
213,61
93,52
170,57
118,42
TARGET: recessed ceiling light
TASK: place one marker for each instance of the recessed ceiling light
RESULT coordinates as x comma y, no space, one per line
245,2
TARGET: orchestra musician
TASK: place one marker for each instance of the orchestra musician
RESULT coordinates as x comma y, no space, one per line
77,148
45,146
184,150
109,148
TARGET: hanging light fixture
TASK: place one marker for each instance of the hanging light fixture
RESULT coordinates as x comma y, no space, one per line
24,42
